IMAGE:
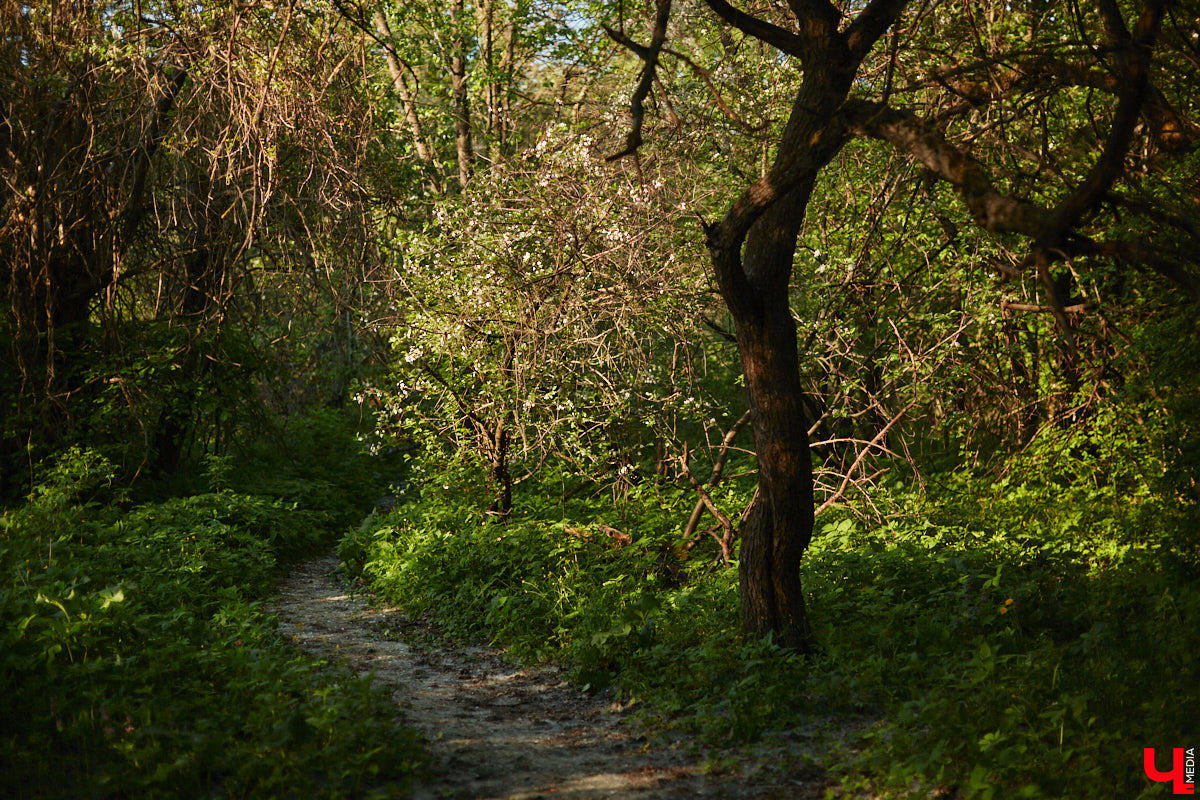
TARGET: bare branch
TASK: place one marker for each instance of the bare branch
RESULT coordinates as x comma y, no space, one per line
1141,254
649,56
136,208
1172,131
848,477
705,500
1076,308
783,40
1057,303
262,98
713,479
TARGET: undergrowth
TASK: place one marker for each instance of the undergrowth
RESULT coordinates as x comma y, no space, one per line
136,659
991,639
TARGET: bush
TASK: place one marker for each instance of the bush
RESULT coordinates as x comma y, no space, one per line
136,660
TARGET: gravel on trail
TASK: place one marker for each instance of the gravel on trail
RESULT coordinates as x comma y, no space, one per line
494,730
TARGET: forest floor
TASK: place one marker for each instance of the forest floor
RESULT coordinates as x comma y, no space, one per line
499,731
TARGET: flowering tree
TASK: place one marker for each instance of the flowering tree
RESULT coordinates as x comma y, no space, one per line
546,311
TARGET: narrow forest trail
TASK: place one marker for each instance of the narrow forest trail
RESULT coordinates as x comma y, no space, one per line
494,731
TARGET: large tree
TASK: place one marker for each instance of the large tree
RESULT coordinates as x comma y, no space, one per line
1020,175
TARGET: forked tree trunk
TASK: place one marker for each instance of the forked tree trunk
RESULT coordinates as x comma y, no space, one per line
752,250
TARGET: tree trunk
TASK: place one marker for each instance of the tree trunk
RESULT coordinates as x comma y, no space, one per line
780,526
484,14
500,476
408,99
177,419
462,109
508,37
755,282
753,248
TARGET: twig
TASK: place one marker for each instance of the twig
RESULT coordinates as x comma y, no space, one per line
848,477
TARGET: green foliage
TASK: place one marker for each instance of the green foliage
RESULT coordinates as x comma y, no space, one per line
316,462
136,659
654,617
1022,639
993,638
216,270
519,582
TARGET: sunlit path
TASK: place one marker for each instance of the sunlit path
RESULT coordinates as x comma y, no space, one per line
494,731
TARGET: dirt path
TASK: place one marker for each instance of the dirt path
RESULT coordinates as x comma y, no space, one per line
494,731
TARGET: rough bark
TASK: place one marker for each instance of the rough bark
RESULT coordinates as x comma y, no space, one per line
752,250
755,284
780,528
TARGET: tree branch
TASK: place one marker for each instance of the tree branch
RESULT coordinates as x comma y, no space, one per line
1172,131
649,56
705,500
783,40
992,210
1143,255
871,23
1134,81
706,76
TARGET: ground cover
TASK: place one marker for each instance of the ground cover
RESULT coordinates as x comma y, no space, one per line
986,639
136,658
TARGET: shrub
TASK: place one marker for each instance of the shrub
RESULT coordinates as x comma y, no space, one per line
136,660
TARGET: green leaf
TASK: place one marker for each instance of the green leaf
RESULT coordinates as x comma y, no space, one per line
110,595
